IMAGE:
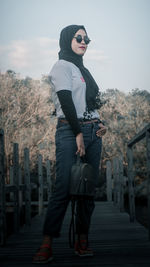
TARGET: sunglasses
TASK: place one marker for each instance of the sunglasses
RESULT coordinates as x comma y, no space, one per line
79,39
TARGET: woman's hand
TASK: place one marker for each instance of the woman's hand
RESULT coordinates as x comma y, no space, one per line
101,131
80,145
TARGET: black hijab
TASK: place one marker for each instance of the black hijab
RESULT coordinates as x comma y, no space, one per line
92,91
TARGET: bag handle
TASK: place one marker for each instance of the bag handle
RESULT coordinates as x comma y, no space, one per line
81,159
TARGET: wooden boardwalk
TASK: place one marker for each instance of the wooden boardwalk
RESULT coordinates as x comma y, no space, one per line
115,241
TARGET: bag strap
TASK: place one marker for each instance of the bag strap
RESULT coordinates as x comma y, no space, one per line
72,224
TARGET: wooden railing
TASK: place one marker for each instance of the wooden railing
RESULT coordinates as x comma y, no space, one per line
19,192
116,182
117,185
142,134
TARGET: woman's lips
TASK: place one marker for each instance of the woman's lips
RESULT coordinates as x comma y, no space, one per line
82,47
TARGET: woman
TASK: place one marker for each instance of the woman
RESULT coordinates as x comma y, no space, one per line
79,130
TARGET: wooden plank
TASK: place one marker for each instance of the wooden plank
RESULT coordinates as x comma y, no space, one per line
139,136
33,203
116,181
12,188
109,180
2,190
148,176
131,184
40,178
49,181
16,183
8,187
28,187
121,178
116,242
20,189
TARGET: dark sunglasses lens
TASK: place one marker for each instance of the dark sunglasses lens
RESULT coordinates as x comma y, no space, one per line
86,39
79,38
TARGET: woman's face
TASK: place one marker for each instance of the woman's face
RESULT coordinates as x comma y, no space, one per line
79,48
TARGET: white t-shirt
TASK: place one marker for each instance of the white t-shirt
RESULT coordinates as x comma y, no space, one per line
67,76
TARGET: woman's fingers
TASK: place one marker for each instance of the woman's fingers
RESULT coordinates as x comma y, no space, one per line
80,145
101,131
80,150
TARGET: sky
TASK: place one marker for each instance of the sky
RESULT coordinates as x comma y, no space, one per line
118,55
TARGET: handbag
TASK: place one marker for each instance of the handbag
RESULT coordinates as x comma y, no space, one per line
82,186
82,179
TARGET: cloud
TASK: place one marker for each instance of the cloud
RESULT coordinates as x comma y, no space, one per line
29,57
36,57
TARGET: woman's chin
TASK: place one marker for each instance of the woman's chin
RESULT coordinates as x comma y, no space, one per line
80,53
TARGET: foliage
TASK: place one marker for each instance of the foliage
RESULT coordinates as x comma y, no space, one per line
25,116
125,116
26,110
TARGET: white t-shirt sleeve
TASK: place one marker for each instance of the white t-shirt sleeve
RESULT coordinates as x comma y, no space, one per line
61,77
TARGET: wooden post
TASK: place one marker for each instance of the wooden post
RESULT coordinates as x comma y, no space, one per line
27,187
116,181
11,179
121,184
109,180
16,183
40,176
2,191
20,190
49,181
148,177
131,184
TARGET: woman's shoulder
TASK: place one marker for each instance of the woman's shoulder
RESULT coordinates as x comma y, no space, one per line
62,64
61,69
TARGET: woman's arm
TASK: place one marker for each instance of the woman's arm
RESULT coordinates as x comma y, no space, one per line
68,108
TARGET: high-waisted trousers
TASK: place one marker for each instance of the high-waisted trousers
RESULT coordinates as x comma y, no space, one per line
65,157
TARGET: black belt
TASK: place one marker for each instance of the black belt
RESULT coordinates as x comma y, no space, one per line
81,121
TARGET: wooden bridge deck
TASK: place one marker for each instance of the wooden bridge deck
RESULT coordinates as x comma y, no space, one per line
115,241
